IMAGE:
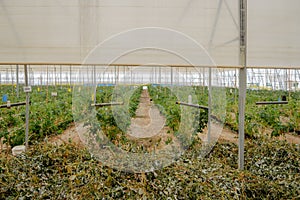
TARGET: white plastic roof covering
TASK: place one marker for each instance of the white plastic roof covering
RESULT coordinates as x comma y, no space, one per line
55,31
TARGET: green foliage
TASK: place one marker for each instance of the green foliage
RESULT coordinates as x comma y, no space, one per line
48,115
51,115
134,101
165,100
260,118
114,123
66,172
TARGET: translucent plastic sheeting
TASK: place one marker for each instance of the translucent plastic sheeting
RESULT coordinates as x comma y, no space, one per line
273,33
66,31
52,31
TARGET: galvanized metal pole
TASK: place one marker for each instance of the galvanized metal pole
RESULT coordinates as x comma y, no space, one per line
32,81
12,77
156,74
186,76
209,106
115,75
47,75
131,76
27,108
7,78
94,75
54,74
295,81
94,84
17,74
70,76
242,80
60,77
171,76
159,79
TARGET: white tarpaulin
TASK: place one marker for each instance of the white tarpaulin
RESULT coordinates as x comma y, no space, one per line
274,32
69,31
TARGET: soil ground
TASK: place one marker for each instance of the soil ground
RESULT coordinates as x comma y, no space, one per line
148,126
69,135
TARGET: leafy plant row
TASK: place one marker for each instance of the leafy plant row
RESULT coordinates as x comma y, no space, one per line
48,115
276,119
115,121
166,100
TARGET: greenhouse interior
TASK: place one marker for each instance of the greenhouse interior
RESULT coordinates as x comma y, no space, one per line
137,99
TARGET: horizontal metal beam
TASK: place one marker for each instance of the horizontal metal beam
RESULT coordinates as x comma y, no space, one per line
271,102
272,67
115,64
148,65
192,105
13,105
107,104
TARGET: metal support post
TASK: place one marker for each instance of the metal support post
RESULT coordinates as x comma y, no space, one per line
27,108
94,75
242,79
70,76
171,76
60,76
209,106
17,74
54,74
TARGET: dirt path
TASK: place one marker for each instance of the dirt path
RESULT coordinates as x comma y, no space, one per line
70,135
231,136
220,133
293,139
148,126
148,121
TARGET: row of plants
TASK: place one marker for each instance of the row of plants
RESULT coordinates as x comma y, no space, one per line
49,115
185,122
67,172
52,115
273,119
166,97
115,121
165,100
